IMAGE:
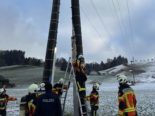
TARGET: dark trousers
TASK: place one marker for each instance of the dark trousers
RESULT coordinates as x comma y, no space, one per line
2,112
94,110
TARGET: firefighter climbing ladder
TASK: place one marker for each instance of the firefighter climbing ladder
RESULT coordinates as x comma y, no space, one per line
63,98
78,96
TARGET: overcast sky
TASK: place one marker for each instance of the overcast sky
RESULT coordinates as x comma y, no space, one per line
109,28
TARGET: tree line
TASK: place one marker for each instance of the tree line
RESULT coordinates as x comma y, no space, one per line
17,57
94,66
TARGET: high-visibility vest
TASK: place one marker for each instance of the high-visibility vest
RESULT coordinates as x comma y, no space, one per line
4,99
129,100
3,103
31,108
80,75
94,99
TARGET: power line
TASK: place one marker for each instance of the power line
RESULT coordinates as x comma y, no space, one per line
100,18
130,26
121,17
117,17
93,27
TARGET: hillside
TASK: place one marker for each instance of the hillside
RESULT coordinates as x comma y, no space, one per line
142,72
26,74
23,75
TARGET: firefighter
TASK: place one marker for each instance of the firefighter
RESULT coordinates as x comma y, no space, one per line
94,99
4,98
27,104
126,98
41,88
58,87
48,104
80,76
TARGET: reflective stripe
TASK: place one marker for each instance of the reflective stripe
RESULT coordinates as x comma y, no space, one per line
130,110
3,103
120,113
2,99
80,88
22,103
120,98
2,108
31,107
127,101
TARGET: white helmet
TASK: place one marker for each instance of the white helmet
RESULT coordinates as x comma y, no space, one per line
42,85
61,81
80,56
96,86
2,90
122,78
33,88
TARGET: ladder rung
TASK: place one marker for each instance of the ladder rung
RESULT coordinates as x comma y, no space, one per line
84,105
62,97
84,113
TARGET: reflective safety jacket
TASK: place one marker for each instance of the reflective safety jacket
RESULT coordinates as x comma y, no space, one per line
4,98
127,101
58,88
28,105
94,98
80,75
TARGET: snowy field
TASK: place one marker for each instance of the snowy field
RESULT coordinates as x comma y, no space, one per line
145,93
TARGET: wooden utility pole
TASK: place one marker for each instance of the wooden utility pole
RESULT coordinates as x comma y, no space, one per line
77,50
51,44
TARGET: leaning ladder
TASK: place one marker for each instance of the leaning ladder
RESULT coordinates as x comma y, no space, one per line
63,98
78,96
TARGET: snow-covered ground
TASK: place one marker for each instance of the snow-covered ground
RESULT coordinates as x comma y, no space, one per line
108,105
145,93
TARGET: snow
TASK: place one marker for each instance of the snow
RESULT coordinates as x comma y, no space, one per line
108,105
113,70
145,93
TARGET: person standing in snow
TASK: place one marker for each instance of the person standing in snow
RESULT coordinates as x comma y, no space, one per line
4,98
48,104
58,87
126,98
94,99
27,105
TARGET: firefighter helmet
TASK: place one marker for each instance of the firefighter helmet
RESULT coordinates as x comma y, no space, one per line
42,85
81,58
122,78
2,90
61,81
96,86
33,88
